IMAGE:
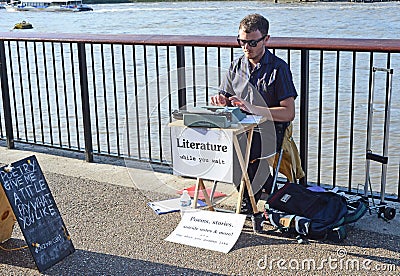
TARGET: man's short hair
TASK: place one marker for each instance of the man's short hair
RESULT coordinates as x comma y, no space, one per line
254,22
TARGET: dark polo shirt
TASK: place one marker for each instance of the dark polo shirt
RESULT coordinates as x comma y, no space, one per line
271,79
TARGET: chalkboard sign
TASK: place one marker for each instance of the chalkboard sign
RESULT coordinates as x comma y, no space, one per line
36,212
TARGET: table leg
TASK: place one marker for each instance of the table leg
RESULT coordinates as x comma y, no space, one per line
245,177
200,186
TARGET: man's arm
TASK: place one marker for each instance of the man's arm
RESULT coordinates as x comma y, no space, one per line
283,113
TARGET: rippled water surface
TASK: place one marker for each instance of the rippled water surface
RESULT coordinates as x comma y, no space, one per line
372,20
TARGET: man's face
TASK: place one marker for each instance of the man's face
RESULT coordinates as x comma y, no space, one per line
256,52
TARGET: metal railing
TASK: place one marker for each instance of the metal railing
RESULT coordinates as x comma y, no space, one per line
113,95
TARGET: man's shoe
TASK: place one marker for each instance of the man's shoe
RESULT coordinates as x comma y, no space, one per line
246,208
258,221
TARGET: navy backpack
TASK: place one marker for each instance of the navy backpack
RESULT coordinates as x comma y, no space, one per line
310,214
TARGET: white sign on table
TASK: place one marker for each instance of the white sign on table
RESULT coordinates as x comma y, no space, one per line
202,152
209,230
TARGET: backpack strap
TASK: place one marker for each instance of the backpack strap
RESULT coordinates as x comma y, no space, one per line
337,234
355,215
302,225
341,222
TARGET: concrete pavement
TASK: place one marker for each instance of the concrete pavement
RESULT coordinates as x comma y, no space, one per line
103,205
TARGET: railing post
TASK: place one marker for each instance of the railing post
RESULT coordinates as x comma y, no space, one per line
180,56
398,185
87,130
6,97
304,101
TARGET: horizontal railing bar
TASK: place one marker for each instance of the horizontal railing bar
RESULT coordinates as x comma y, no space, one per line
350,44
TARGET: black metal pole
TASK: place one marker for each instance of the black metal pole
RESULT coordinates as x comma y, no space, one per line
6,97
304,102
87,130
398,186
180,56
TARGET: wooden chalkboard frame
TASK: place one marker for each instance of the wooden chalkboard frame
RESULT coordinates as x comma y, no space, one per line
36,211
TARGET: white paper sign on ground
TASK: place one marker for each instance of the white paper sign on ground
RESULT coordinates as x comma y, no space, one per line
209,230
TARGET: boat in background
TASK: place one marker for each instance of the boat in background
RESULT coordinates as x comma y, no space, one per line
23,25
49,5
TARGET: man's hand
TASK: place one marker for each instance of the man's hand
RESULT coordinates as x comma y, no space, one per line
219,100
283,113
242,104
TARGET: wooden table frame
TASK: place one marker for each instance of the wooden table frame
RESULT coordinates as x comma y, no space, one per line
243,161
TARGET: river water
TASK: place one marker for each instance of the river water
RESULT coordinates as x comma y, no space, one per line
313,19
351,20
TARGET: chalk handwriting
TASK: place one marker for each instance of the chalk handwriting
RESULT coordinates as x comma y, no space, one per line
49,243
30,194
15,178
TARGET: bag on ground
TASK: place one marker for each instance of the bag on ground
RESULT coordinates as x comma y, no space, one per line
312,214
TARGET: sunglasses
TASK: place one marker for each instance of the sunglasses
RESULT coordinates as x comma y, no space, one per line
252,43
